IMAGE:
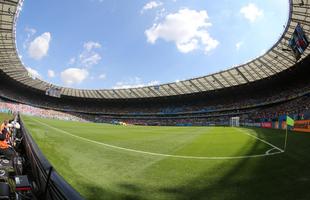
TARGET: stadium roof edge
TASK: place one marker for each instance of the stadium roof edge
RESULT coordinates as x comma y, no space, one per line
277,59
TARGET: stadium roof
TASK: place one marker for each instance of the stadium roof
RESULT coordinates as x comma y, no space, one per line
278,58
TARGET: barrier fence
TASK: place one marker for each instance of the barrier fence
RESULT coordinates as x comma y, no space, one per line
299,126
302,125
49,184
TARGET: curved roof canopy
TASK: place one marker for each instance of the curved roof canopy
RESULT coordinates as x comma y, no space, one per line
276,59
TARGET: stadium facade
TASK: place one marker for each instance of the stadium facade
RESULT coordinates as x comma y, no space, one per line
206,100
277,59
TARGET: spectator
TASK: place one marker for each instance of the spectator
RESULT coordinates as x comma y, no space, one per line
5,148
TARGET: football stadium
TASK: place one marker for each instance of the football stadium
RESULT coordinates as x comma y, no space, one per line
238,133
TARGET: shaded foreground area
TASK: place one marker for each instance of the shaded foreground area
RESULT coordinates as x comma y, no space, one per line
99,172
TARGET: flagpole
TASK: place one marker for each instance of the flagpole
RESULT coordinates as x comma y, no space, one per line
285,139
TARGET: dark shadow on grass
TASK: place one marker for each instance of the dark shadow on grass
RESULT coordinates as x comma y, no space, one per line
94,192
131,191
203,189
129,187
283,176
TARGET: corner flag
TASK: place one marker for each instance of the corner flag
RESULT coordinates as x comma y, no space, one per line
289,121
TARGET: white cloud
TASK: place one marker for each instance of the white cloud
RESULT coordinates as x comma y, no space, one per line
33,73
151,5
133,83
88,46
30,32
50,73
160,14
88,57
38,48
251,12
71,61
238,45
187,28
72,76
102,76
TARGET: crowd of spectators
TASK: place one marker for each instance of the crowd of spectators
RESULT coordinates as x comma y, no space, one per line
297,107
11,107
203,106
252,105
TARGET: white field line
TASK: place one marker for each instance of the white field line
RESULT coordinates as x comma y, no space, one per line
270,150
157,154
264,141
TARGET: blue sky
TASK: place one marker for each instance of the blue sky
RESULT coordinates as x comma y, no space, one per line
118,44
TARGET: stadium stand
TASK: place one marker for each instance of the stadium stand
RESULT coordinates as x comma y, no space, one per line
273,97
279,79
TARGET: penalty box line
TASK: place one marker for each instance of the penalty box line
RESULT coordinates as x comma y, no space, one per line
264,141
157,154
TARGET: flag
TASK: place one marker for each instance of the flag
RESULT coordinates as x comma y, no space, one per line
289,121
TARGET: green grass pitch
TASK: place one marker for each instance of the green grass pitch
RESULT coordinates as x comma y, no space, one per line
117,162
4,116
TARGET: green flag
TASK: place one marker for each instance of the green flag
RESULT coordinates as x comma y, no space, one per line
289,121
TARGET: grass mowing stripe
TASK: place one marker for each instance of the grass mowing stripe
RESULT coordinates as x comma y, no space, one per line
159,154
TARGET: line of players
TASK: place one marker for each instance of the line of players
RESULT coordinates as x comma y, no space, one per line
7,129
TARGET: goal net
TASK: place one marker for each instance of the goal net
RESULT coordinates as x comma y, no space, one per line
234,121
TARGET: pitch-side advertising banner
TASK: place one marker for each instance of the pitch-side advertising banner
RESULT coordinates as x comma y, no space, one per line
266,124
302,125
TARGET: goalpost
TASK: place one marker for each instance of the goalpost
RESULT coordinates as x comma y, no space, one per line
234,121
